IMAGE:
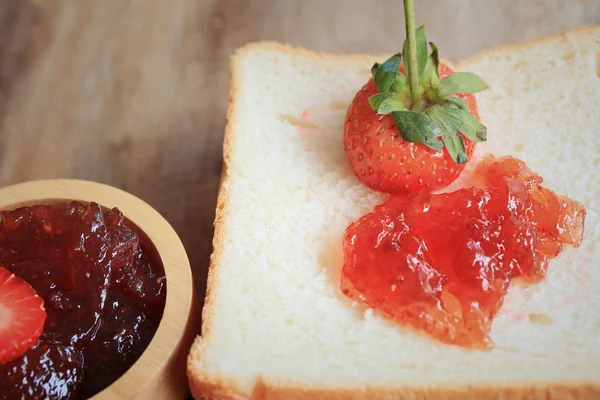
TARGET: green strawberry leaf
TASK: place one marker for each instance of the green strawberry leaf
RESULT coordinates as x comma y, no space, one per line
431,74
458,102
416,127
456,147
400,84
457,120
374,69
452,140
434,144
392,104
461,82
421,44
435,56
466,123
421,49
448,126
386,73
385,103
376,100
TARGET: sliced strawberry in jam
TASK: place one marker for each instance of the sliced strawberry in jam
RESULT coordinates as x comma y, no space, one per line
443,263
75,233
22,316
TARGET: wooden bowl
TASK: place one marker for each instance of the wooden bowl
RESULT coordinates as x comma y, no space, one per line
160,372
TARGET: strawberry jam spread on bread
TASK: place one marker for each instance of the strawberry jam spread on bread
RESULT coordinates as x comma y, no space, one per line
442,263
80,300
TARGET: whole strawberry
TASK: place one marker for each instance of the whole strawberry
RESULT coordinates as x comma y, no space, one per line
402,140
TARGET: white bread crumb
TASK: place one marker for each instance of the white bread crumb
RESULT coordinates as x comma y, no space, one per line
275,313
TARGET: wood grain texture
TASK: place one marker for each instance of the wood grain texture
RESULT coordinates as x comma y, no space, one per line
133,93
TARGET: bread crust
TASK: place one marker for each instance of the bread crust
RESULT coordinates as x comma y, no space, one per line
524,46
205,386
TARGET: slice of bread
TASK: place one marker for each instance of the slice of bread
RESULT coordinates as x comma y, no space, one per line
275,325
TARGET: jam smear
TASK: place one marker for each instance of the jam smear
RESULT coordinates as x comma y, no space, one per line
442,263
104,297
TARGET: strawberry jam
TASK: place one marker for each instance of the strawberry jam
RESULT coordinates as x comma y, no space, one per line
442,263
103,293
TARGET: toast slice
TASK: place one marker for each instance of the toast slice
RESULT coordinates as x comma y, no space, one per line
275,325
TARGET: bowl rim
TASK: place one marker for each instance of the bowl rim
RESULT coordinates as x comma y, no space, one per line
180,286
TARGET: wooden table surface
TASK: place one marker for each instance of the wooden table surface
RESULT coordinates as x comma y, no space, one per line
133,93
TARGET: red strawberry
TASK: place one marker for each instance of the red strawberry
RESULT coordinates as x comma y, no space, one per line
22,316
437,136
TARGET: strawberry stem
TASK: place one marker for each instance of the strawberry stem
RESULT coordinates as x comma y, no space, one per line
411,57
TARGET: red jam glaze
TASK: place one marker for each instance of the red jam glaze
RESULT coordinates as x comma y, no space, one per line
442,263
47,371
104,298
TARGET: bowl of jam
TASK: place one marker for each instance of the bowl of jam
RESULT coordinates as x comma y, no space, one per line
96,295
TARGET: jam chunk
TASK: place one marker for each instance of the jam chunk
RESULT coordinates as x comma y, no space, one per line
442,263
